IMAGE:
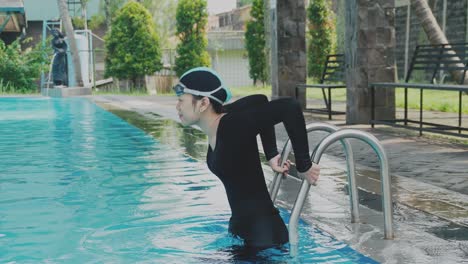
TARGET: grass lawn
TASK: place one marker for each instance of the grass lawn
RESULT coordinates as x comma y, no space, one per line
443,101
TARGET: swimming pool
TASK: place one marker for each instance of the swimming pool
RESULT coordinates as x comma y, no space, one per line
80,185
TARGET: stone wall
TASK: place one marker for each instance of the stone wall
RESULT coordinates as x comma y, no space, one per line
369,58
291,49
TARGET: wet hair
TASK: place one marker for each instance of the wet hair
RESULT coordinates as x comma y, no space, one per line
205,80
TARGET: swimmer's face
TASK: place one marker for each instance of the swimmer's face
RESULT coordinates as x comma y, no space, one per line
189,113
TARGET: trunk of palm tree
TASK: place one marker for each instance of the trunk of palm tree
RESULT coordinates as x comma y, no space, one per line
107,7
84,15
434,32
66,20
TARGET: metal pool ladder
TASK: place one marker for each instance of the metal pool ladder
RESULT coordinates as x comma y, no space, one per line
339,135
354,198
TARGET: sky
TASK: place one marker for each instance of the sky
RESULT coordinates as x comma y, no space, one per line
219,6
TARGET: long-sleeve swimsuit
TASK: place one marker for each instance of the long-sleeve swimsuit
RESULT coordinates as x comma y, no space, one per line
236,161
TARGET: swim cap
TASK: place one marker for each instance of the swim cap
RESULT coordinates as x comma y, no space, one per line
203,81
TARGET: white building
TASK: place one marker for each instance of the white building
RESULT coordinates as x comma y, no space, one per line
226,45
229,57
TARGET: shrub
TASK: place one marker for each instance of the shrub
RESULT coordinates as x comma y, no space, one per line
321,29
191,16
78,23
96,21
19,70
255,43
132,45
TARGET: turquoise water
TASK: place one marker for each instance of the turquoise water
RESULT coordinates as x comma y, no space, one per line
80,185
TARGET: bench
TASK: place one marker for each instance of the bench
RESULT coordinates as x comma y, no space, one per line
332,78
103,82
433,60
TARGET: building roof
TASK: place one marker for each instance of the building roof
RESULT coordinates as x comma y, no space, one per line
12,6
38,10
232,20
226,30
238,9
12,17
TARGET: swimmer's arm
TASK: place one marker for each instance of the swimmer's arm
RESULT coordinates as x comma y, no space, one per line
267,134
289,112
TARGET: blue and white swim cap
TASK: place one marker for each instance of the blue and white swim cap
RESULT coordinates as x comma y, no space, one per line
203,81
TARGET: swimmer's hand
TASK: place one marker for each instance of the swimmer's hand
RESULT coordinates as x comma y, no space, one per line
275,165
312,174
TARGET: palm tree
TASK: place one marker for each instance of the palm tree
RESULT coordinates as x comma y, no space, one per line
107,8
84,15
66,20
434,33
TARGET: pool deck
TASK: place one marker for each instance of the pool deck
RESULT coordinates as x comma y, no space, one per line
429,184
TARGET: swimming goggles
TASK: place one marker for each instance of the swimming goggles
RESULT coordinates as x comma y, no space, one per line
180,89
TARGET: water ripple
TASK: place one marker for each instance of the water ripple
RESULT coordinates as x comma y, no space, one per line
80,185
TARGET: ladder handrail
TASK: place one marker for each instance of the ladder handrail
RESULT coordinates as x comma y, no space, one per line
320,126
385,183
277,178
50,71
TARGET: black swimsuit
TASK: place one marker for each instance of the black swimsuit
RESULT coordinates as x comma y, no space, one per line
236,161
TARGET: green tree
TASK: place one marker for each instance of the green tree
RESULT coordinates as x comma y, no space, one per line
108,9
163,12
191,17
19,70
321,30
255,43
132,45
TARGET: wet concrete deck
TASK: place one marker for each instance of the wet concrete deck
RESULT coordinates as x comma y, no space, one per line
430,187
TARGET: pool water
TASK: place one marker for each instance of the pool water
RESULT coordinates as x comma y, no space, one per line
80,185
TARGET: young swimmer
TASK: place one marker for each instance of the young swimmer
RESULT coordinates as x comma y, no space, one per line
233,152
